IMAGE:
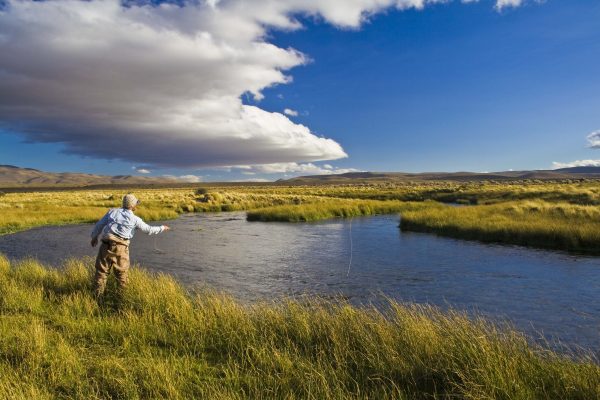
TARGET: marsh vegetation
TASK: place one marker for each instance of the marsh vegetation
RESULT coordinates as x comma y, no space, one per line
334,208
557,215
533,223
161,341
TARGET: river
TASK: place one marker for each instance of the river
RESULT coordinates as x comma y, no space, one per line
550,295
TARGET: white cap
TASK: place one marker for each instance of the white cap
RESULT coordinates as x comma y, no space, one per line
130,201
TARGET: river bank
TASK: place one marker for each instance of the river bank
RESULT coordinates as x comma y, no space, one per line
556,216
161,341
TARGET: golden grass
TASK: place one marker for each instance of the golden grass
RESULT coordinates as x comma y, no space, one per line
19,211
557,215
531,223
334,208
163,342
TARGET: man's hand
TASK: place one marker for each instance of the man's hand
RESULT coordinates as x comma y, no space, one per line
94,242
166,228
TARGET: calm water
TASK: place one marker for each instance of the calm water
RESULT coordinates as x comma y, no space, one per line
553,293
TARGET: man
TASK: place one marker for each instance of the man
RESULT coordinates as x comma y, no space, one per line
115,230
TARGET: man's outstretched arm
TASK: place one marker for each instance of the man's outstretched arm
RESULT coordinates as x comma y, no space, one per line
150,230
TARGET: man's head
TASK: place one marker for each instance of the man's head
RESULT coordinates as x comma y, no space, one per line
130,201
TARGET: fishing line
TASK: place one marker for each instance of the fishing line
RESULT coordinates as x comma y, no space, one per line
350,262
156,249
309,276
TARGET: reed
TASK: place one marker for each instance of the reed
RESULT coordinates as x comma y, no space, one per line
161,341
539,224
554,215
20,211
334,208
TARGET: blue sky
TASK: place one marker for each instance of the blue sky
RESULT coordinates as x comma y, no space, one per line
446,88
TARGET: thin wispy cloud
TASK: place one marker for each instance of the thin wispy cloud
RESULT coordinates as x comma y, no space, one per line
594,143
184,178
293,168
256,180
578,163
500,4
141,170
594,140
161,85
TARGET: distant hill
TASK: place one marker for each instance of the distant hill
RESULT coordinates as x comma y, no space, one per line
557,174
11,176
18,179
580,170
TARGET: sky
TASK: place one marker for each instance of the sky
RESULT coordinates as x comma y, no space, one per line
263,89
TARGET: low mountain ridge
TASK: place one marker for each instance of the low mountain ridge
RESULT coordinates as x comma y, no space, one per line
557,174
580,170
12,176
17,177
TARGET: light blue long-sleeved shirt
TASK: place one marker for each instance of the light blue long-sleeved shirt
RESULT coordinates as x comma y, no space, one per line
123,222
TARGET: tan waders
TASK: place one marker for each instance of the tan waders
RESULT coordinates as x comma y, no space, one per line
113,253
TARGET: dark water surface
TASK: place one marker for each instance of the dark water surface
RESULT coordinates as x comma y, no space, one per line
553,293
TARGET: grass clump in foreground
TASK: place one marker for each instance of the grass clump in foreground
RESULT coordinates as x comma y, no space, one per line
561,226
162,342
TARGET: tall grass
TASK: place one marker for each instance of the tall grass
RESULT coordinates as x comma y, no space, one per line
334,208
478,192
532,223
556,215
19,211
163,342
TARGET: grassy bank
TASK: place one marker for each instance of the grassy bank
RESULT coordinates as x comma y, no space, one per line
554,215
161,342
531,223
334,208
20,211
482,192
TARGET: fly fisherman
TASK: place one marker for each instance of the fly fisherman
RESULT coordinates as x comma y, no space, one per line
115,230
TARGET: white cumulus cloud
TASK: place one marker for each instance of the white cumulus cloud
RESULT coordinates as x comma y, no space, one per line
290,112
161,85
